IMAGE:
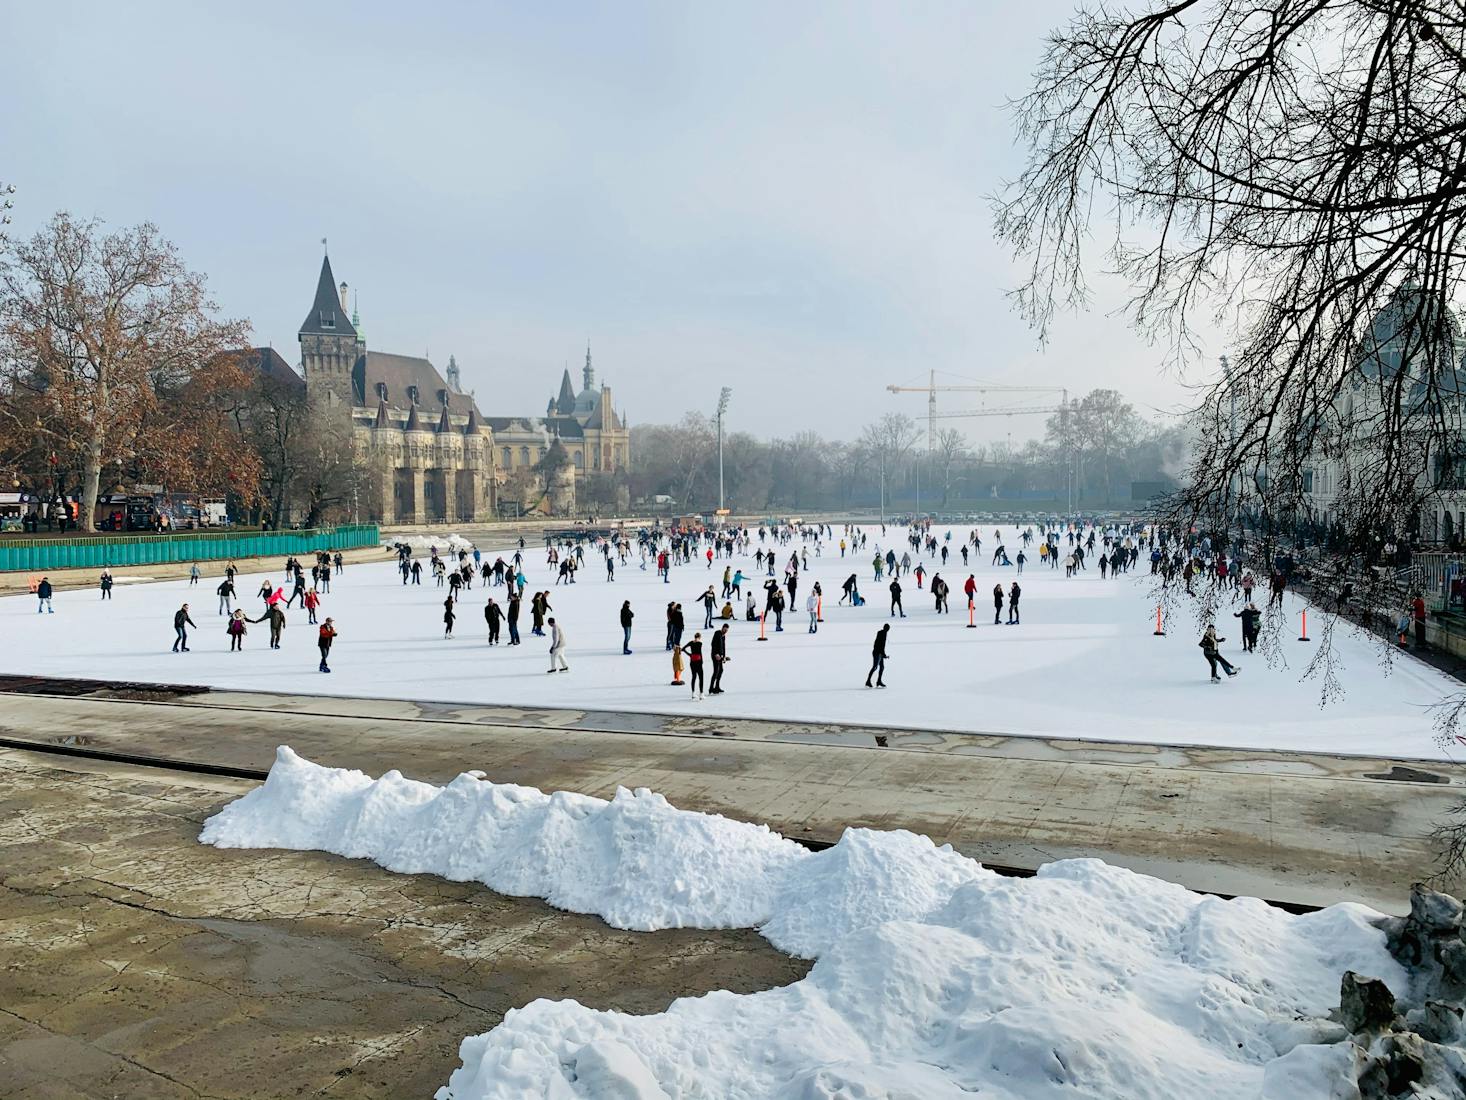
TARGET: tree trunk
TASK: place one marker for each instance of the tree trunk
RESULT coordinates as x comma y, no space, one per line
91,478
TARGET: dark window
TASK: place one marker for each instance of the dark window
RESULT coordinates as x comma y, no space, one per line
328,319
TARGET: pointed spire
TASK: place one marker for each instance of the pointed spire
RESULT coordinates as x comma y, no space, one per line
326,316
382,421
590,372
412,424
565,403
356,315
444,423
474,425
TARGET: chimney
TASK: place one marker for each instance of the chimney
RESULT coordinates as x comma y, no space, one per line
344,308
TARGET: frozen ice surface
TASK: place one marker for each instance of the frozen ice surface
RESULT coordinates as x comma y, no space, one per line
1083,664
935,977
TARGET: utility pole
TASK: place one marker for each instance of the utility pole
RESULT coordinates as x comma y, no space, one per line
722,410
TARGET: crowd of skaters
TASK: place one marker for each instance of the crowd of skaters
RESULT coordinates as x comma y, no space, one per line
781,554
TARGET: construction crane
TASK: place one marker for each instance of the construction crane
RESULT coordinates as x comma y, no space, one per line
932,389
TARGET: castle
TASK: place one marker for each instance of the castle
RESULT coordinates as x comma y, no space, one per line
425,450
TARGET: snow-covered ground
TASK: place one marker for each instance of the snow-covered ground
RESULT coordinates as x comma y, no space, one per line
936,979
1084,662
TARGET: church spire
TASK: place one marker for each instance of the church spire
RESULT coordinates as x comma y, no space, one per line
589,373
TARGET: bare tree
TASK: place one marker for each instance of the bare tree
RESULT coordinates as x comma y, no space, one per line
93,330
1296,171
887,442
949,452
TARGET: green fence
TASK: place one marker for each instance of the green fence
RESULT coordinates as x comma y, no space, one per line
40,555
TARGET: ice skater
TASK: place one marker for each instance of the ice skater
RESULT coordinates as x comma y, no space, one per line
1013,593
693,649
324,638
720,658
627,615
181,623
43,596
878,657
557,647
1208,644
448,617
236,631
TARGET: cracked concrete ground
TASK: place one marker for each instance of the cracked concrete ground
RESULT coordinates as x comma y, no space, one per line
135,962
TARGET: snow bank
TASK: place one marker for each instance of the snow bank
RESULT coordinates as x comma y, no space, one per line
935,977
424,543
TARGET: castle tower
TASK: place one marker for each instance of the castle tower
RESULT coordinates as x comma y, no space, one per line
454,379
329,346
589,372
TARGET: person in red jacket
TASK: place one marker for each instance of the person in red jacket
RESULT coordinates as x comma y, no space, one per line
326,637
1417,611
312,600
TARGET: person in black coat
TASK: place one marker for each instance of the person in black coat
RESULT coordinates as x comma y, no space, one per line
627,615
997,604
878,657
493,615
1251,623
896,599
720,658
181,623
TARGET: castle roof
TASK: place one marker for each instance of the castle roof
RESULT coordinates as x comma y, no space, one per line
565,403
326,316
395,378
268,364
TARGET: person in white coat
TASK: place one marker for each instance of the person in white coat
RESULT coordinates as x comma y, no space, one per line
812,605
557,647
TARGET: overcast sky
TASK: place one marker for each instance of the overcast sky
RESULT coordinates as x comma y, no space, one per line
789,199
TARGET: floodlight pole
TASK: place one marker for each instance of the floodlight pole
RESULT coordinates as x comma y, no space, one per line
722,409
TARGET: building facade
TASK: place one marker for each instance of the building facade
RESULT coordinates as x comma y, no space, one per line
425,452
1392,389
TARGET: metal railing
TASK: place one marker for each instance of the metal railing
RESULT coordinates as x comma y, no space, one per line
97,551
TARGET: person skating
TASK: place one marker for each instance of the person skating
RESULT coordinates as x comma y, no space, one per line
1251,619
1013,593
1208,643
43,596
106,584
448,617
720,658
997,604
226,596
939,593
709,605
275,616
693,649
193,574
312,601
324,638
493,616
812,605
848,588
181,623
511,617
896,607
626,616
878,657
236,630
557,647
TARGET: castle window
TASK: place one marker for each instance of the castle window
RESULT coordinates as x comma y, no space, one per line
524,456
508,458
412,394
328,319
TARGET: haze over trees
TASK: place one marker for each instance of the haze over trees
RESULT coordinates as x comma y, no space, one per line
1089,455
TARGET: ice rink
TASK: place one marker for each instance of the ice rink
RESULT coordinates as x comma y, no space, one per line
1083,664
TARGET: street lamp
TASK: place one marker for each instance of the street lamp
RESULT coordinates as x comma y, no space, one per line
722,409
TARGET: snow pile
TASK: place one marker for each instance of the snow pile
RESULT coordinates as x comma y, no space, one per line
423,543
935,978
